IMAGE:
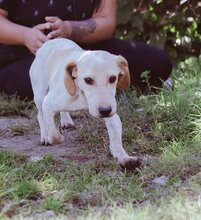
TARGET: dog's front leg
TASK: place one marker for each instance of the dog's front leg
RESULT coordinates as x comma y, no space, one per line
114,127
53,134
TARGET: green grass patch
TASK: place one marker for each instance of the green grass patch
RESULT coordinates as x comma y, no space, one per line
13,106
52,204
163,128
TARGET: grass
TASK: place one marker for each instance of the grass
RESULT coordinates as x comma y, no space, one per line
12,105
52,204
177,208
164,128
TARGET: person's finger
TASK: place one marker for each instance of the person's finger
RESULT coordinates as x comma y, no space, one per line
39,44
43,26
53,34
51,19
34,52
42,37
53,26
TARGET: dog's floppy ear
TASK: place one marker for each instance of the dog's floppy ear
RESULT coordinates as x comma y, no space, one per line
70,76
124,76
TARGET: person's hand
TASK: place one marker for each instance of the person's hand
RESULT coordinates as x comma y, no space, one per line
35,37
60,29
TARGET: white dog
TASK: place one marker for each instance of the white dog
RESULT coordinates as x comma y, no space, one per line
65,78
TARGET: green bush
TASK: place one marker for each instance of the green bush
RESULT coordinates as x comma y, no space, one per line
169,24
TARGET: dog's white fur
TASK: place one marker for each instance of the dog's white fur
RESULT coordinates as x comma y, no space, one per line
65,78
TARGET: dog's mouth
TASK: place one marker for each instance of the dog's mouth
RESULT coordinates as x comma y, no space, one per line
107,116
101,116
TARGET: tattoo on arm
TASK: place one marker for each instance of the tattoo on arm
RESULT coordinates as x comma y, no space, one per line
82,29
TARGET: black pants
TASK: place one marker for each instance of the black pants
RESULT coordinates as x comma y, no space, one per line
14,72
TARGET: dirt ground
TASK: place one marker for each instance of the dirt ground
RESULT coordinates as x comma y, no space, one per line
14,138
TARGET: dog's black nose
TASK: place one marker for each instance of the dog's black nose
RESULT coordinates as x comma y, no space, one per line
105,111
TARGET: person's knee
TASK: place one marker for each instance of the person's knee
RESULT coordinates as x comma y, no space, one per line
15,80
165,65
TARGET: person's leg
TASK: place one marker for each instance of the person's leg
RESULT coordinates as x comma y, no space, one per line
14,78
141,57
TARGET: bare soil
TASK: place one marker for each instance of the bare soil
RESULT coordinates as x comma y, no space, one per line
27,142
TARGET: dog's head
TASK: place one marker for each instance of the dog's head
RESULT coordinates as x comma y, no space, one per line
98,74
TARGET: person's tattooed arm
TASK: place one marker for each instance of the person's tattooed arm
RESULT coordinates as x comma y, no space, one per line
99,27
82,30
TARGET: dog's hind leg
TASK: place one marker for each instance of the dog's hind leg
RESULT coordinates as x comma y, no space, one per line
114,127
66,120
38,99
39,82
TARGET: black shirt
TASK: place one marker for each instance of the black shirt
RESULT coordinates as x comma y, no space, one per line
32,12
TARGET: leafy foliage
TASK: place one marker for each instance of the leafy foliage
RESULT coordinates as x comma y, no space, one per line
172,25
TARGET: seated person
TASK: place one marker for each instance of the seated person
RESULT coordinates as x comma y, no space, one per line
26,25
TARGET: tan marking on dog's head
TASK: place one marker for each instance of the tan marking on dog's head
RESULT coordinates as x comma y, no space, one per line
124,76
70,76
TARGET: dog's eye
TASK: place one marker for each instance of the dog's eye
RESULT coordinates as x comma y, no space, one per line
112,79
89,81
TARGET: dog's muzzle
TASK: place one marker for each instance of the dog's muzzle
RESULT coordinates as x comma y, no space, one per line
105,111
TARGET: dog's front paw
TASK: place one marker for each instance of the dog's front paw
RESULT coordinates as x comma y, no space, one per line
44,140
57,138
130,163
